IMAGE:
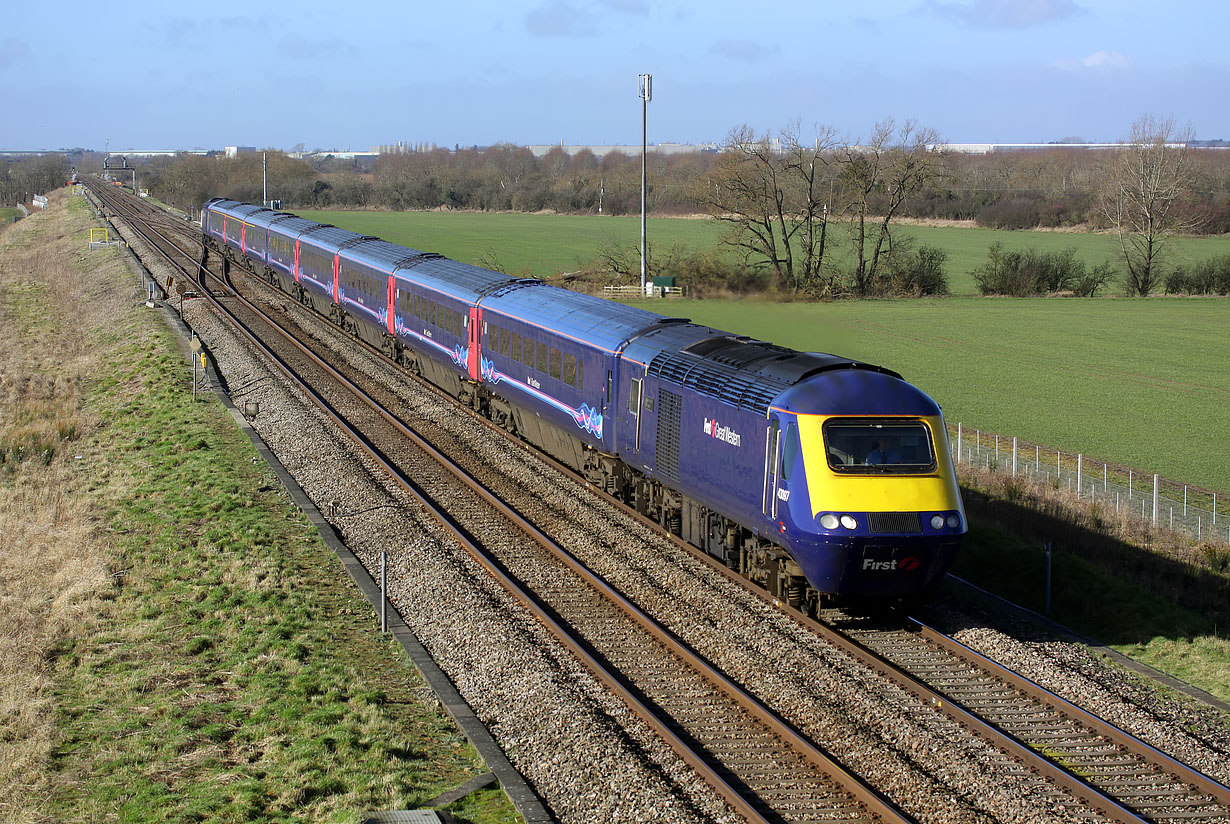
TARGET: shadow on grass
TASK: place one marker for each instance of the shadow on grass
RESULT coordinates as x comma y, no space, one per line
1102,586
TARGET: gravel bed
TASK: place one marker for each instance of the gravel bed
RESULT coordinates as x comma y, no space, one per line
1180,726
588,759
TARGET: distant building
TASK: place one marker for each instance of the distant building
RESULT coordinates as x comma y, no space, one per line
599,151
235,151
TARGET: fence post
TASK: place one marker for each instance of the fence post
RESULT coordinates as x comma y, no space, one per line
1129,484
978,442
958,442
1014,456
1185,501
997,450
1214,509
1037,458
1080,466
1155,500
1103,477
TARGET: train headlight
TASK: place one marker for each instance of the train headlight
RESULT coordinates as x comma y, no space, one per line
828,520
954,521
848,522
937,521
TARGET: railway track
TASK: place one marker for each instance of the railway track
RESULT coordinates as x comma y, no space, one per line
1095,768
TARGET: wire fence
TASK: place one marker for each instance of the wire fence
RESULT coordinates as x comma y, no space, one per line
1200,513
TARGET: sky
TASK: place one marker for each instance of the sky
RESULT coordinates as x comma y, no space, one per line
147,74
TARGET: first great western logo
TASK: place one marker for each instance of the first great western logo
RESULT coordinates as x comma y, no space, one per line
722,433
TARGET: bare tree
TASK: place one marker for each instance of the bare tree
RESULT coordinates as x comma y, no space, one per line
1144,182
878,177
772,192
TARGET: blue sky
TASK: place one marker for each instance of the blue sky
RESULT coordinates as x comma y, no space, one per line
352,75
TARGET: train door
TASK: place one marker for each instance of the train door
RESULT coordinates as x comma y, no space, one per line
472,336
635,399
772,459
391,307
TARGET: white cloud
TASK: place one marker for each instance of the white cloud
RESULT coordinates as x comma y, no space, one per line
997,14
1101,60
1106,60
13,52
558,18
746,51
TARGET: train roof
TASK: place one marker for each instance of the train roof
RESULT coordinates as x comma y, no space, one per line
290,225
233,208
742,371
381,255
329,238
856,391
462,281
592,320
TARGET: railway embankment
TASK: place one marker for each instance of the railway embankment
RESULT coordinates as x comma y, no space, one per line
175,640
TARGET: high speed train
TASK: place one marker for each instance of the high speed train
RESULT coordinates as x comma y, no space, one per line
819,477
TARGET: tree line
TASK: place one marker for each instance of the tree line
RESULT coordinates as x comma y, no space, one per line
811,213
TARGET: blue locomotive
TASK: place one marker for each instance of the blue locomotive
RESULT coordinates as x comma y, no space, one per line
816,476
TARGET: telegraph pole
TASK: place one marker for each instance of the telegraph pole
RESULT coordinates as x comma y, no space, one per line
646,94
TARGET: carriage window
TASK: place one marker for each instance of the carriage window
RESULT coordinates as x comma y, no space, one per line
872,446
570,369
514,347
580,382
790,451
504,342
554,371
542,357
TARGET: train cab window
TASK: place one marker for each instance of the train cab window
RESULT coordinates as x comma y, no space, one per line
514,347
504,342
791,451
542,357
554,371
634,397
878,446
570,369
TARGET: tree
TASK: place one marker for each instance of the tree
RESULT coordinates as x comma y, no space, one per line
877,178
772,192
1144,182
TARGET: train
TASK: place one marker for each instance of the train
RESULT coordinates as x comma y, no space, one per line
823,479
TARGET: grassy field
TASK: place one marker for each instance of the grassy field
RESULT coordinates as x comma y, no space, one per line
544,245
1144,383
176,644
7,213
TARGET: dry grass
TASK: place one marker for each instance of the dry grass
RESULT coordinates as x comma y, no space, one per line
53,566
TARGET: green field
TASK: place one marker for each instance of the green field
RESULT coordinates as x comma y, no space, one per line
545,245
1144,383
7,213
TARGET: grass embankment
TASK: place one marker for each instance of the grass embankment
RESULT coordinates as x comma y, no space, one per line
175,642
7,214
545,245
